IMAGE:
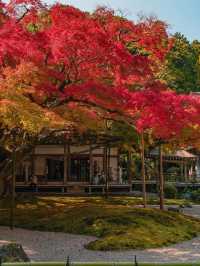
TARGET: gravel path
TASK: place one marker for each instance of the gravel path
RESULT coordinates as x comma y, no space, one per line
46,246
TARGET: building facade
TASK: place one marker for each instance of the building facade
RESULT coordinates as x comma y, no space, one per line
91,168
72,168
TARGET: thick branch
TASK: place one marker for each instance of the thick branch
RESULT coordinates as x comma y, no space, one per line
88,104
25,13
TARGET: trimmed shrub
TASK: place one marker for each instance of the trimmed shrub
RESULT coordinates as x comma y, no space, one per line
170,191
195,195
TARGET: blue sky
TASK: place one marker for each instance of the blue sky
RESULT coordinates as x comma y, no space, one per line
182,15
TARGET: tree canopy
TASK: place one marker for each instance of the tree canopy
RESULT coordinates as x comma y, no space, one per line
59,64
182,66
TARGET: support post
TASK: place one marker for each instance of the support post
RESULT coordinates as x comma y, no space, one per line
108,167
118,160
182,171
161,178
33,163
65,164
129,163
143,171
185,172
68,161
26,170
91,169
156,166
12,205
105,169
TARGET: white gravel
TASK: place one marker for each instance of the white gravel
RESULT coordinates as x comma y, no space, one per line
48,246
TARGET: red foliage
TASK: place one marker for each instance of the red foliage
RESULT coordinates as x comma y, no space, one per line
99,59
88,47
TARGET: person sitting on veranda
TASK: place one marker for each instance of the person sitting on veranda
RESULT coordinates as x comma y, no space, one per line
34,182
102,178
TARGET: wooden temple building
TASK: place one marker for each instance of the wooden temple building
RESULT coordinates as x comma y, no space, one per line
71,167
95,165
179,167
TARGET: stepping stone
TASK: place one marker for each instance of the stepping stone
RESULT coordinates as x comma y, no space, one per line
13,252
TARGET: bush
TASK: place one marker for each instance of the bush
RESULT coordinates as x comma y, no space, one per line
195,195
170,191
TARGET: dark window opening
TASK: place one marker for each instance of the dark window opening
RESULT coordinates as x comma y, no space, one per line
79,170
55,169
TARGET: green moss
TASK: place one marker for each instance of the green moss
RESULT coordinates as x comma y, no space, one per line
117,223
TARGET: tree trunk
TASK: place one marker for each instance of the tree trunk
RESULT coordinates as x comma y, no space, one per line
161,178
91,174
129,164
107,171
12,205
143,172
65,164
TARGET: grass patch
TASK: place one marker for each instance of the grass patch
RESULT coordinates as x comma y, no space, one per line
117,223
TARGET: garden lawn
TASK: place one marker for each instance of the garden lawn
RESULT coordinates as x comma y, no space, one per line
117,223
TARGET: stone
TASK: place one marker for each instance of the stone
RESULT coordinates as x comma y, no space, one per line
175,209
13,252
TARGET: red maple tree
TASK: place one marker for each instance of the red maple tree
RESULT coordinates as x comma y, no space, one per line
100,60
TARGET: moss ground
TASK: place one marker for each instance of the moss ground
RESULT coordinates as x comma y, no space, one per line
116,221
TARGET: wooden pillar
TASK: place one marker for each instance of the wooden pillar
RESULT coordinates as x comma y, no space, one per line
105,168
91,165
118,160
156,164
185,171
190,173
12,205
161,178
33,162
104,160
182,171
181,166
129,163
68,161
194,174
26,166
143,171
65,164
91,173
108,169
108,163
